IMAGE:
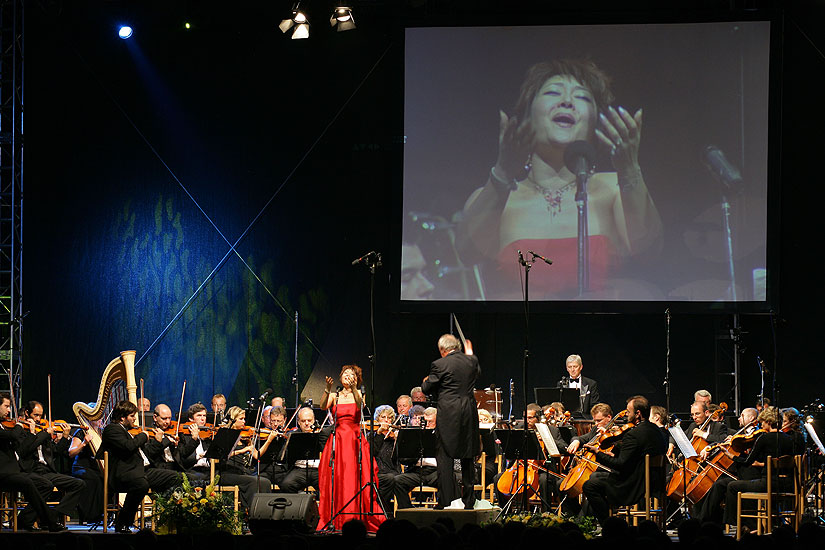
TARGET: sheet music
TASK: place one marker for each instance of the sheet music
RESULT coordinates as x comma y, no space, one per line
682,442
549,443
815,437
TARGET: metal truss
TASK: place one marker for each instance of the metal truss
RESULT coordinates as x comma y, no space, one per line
11,195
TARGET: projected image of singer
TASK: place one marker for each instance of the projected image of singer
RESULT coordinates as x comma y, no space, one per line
528,201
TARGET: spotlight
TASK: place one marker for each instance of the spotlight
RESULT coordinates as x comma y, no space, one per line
187,25
124,32
299,21
342,16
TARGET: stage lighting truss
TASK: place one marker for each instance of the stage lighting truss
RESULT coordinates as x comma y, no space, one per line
298,22
342,17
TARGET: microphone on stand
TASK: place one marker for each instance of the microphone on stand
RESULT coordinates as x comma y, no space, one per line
716,161
363,258
762,366
266,392
520,258
540,257
580,158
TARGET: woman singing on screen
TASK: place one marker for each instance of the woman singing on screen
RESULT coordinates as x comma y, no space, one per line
528,202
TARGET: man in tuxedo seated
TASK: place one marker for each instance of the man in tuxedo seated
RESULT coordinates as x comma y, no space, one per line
166,451
625,484
713,432
417,472
129,470
37,453
304,472
13,479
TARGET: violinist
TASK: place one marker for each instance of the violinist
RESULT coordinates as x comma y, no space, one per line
602,416
37,453
268,455
231,472
710,507
382,447
771,443
625,484
164,449
128,470
11,478
792,425
304,473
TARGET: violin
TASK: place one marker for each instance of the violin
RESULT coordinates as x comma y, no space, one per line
613,434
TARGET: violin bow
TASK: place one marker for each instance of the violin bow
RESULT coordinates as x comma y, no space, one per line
180,410
140,404
49,396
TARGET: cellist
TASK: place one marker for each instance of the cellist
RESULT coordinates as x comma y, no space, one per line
709,508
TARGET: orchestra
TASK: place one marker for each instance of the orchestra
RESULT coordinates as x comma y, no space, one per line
598,464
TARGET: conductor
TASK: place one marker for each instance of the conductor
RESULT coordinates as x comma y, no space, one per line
451,381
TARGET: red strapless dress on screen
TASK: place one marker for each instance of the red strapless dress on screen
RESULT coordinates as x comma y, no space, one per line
347,481
560,279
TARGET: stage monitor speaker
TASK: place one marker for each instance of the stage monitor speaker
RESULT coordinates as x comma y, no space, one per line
280,512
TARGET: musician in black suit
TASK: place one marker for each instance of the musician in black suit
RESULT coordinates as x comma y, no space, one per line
128,465
588,389
303,473
713,432
625,484
166,452
36,457
451,382
11,478
231,471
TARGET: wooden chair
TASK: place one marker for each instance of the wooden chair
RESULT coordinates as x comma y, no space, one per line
108,508
770,504
654,493
8,509
232,489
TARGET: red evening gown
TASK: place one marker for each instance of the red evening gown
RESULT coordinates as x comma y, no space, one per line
347,483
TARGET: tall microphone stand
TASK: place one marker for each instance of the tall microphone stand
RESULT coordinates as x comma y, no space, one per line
667,360
373,261
583,248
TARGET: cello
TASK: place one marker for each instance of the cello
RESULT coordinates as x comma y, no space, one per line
586,461
683,475
720,462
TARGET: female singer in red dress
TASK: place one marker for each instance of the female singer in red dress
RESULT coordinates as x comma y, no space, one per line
346,409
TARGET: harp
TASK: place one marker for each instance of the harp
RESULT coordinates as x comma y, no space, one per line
118,384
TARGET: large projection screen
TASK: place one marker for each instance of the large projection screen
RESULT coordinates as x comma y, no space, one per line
676,213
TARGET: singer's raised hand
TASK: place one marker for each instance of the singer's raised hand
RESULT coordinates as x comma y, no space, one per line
515,142
621,133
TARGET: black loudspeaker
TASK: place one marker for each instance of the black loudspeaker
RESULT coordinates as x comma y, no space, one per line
279,512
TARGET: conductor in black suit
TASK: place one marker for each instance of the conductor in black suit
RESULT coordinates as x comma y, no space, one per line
588,389
625,484
451,382
129,470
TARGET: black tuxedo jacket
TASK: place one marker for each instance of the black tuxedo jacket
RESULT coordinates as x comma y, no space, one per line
626,483
125,461
9,443
717,431
451,381
155,451
29,444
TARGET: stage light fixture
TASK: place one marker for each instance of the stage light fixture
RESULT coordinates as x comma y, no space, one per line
124,32
299,21
342,17
187,25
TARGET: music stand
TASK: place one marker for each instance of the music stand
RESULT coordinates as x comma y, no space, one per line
222,444
513,445
301,446
570,398
415,444
686,448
